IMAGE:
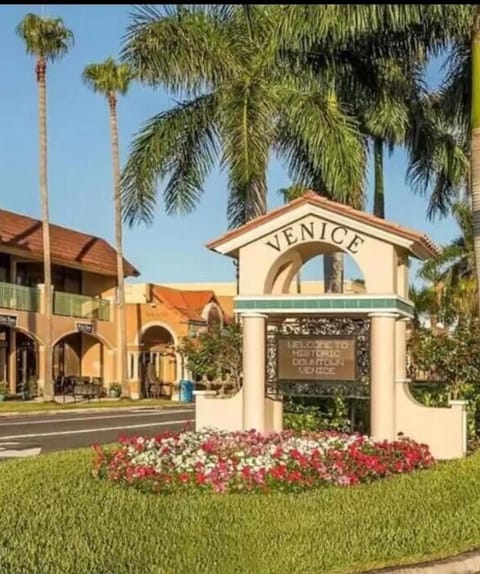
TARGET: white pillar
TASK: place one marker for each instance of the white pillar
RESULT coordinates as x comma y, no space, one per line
401,351
254,343
278,416
382,376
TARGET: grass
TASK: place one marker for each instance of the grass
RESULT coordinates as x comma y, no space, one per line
34,407
55,518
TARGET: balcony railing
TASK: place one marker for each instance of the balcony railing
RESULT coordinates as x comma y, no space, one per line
19,298
81,306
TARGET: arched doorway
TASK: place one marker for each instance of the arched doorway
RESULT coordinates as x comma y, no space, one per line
18,358
158,355
26,359
79,355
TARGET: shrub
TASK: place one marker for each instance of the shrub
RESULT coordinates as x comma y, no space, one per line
221,461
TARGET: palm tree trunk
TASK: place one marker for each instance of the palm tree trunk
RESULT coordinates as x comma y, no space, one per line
475,142
299,282
379,192
122,364
333,272
41,70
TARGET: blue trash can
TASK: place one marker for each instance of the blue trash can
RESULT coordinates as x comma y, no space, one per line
186,391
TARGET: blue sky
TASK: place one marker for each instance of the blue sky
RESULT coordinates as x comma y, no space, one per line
80,176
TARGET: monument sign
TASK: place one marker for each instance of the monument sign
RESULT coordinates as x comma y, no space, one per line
310,358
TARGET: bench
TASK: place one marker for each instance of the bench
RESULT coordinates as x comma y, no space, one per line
159,389
78,387
86,390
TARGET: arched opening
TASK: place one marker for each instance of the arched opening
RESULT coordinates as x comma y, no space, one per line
158,360
214,318
79,355
308,269
26,359
312,278
18,358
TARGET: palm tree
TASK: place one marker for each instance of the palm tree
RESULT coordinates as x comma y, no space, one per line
456,261
47,39
384,98
243,104
111,79
446,146
428,302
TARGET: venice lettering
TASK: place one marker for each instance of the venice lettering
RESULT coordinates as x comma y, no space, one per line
316,231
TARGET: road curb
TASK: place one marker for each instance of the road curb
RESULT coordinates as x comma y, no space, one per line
95,410
465,563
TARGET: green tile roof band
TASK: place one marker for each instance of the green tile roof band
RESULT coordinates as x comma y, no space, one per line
393,304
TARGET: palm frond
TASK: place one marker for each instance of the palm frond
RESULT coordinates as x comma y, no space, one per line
179,145
46,38
320,132
301,26
455,91
247,124
183,49
108,77
438,160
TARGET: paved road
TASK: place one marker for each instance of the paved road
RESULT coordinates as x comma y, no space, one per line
30,435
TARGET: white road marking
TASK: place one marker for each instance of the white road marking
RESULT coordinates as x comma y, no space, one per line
94,430
20,453
136,414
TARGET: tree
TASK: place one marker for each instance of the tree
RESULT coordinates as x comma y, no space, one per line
378,63
384,99
428,303
454,267
243,104
216,355
451,357
111,79
450,161
47,39
456,260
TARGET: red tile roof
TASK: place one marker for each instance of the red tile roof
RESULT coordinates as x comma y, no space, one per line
68,247
189,303
314,199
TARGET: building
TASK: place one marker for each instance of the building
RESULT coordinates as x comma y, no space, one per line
83,324
158,317
226,291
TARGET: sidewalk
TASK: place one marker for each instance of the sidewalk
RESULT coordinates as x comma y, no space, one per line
27,408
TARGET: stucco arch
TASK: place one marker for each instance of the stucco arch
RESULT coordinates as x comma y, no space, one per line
287,265
208,309
144,329
29,334
99,338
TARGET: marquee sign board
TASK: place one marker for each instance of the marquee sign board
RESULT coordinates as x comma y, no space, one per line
310,358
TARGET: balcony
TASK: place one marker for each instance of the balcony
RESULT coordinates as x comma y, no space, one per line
81,306
19,298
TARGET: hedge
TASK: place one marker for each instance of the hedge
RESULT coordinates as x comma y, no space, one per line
56,519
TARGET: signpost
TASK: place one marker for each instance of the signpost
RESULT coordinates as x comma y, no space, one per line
85,328
310,358
8,321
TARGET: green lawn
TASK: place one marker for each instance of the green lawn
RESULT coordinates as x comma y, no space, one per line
56,519
28,407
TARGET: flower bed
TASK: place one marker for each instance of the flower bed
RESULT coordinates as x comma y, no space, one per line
248,461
